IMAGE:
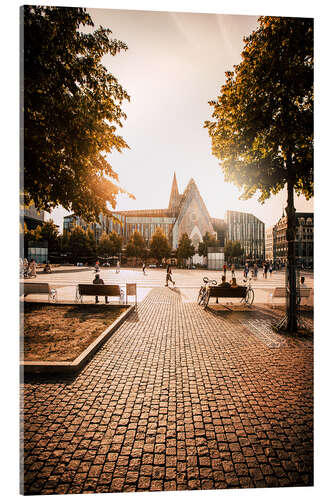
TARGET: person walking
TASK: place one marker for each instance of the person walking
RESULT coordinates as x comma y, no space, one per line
255,269
265,269
99,281
118,267
225,270
232,270
144,268
169,276
270,270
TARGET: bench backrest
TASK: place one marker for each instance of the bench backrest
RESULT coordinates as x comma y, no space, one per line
282,291
106,290
36,288
221,291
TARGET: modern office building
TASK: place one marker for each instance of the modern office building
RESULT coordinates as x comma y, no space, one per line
186,213
249,231
31,217
269,243
304,239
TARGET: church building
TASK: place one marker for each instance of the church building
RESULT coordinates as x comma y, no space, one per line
186,213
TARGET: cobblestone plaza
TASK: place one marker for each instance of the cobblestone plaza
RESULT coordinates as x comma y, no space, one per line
177,399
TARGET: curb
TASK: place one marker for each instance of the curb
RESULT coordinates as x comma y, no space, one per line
70,368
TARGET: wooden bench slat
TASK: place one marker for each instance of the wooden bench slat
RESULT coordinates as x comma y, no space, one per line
36,288
280,292
39,288
220,292
107,290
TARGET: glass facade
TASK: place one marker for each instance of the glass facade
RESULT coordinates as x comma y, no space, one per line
215,258
38,250
249,231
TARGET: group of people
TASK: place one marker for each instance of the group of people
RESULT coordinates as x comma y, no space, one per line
28,269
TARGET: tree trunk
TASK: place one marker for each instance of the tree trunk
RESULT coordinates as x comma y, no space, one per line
291,263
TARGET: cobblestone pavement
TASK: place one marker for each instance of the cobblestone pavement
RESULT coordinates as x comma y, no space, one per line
177,399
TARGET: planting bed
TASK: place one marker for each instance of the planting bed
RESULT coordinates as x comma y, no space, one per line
62,332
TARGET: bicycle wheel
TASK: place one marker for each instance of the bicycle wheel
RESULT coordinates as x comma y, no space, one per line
249,297
200,295
205,299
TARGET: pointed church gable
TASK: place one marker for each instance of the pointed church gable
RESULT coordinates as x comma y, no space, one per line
174,195
193,212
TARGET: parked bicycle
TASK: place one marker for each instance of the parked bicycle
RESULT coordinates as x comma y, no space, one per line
204,290
249,296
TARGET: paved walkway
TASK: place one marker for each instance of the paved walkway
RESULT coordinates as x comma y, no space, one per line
177,399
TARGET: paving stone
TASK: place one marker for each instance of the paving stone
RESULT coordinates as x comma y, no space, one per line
178,398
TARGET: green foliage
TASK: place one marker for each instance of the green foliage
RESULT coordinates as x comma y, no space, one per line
136,247
116,243
208,240
159,246
49,232
262,131
81,244
109,245
185,248
233,250
72,107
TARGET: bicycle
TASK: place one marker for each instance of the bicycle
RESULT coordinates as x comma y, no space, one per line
203,290
249,295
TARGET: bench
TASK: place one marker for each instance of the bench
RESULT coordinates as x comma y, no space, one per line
40,288
228,292
281,292
98,291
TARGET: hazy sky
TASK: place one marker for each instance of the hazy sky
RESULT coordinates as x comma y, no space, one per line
174,65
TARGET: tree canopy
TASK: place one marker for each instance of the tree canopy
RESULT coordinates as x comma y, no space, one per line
109,245
72,108
136,247
185,248
208,240
233,250
81,244
159,246
262,131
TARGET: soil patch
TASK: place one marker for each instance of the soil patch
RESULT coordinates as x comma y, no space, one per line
61,333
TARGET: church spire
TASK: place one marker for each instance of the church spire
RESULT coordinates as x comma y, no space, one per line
174,195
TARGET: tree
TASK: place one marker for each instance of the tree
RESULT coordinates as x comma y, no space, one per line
49,232
116,243
80,244
159,246
262,131
233,250
208,240
185,248
109,244
72,107
136,247
104,247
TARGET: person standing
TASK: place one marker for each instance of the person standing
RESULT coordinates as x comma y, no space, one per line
255,269
99,281
33,268
265,270
118,267
169,276
225,270
270,270
232,270
144,268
